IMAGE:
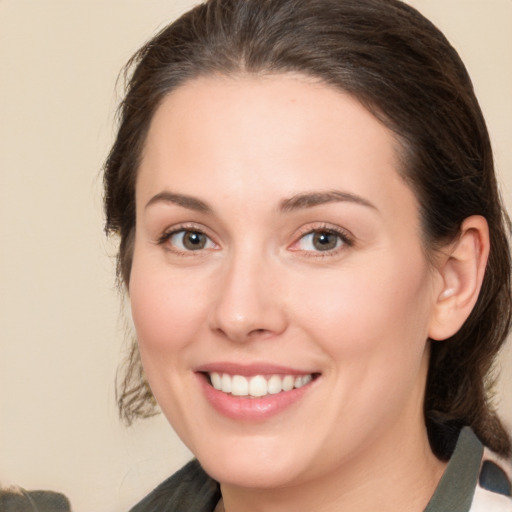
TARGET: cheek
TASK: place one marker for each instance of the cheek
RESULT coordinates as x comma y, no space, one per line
379,310
373,326
166,311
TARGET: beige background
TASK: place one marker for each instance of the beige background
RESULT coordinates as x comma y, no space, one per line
60,327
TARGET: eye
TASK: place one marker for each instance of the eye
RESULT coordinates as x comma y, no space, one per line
321,240
189,240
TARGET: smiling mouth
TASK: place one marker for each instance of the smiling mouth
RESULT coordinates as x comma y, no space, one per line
257,386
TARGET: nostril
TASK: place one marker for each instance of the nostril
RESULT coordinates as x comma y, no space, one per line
239,322
258,333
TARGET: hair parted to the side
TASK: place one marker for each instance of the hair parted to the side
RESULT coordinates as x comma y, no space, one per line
404,71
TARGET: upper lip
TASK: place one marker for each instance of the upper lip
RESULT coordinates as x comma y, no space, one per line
250,369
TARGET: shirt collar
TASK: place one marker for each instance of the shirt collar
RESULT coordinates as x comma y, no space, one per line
457,485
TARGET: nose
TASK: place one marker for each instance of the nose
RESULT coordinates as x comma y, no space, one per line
249,303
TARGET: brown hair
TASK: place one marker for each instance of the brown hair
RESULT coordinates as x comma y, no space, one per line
406,73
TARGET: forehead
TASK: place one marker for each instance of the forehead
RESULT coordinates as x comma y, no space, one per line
275,133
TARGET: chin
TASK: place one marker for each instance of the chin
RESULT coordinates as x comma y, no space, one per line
260,468
248,474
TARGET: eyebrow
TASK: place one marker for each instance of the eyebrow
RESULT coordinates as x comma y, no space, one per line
189,202
296,202
309,200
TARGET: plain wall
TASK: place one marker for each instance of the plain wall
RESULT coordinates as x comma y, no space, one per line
60,324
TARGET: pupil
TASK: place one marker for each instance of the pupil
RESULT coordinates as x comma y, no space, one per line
194,241
324,241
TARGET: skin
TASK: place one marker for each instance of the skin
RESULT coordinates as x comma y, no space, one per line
358,315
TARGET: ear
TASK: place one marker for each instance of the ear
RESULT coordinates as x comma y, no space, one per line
461,267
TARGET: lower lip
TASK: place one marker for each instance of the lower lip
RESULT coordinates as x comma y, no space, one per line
251,409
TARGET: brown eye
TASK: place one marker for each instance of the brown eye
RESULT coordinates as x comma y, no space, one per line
186,240
325,241
321,241
193,240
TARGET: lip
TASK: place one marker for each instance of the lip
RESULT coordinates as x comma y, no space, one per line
249,370
251,409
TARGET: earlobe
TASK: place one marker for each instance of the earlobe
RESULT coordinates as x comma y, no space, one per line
461,268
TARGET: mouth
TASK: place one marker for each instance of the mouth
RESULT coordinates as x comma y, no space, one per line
256,392
257,386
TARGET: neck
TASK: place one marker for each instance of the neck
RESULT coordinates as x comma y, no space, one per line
381,479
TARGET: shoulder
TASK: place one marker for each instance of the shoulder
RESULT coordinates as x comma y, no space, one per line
488,501
475,480
494,488
189,489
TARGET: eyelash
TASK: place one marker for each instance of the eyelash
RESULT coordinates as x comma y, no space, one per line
167,235
345,240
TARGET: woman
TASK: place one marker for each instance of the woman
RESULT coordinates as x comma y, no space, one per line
316,256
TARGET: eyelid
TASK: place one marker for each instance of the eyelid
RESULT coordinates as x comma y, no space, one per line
346,237
191,227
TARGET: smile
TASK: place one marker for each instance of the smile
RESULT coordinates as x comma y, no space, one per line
257,386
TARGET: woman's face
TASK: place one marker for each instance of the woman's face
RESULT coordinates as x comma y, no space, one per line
278,254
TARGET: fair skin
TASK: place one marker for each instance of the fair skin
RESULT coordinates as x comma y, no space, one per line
275,238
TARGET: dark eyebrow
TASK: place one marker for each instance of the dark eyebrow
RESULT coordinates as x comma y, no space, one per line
308,200
183,200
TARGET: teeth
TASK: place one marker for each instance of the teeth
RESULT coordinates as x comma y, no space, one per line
257,386
303,381
226,383
288,383
274,385
216,380
239,386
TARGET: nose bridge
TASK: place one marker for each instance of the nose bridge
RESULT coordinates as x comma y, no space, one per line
247,300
